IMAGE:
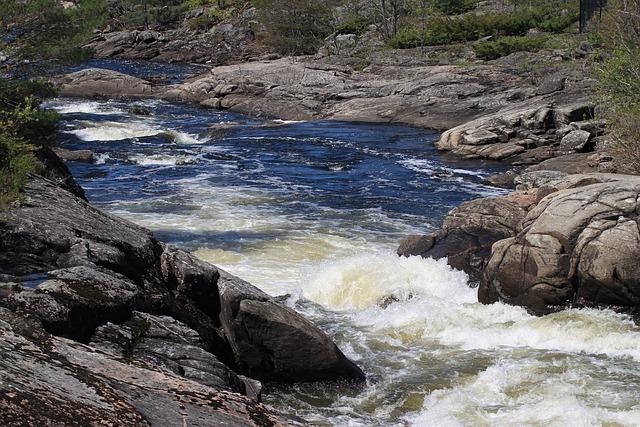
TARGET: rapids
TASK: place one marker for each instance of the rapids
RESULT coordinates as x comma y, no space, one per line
315,210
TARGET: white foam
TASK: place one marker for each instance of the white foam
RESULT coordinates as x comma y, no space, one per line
101,158
114,131
437,305
83,107
527,392
160,160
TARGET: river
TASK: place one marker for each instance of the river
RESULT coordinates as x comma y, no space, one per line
315,211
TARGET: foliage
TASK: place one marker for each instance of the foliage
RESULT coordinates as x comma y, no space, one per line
354,24
207,20
44,29
503,46
23,128
453,7
619,79
295,26
559,23
442,30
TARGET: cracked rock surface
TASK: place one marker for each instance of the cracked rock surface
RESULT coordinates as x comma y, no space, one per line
116,313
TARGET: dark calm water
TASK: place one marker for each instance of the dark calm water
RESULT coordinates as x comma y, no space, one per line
315,210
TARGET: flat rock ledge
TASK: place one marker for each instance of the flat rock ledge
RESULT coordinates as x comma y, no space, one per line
101,323
559,241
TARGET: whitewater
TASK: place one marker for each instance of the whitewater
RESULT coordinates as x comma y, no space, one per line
314,212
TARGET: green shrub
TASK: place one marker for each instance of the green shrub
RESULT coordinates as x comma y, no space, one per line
354,24
16,162
446,30
560,23
296,26
23,128
503,46
207,20
454,7
618,89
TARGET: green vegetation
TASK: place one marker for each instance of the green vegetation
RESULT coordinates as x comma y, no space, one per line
503,46
296,26
24,127
619,79
353,24
445,30
44,29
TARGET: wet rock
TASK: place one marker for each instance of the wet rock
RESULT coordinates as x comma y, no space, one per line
272,341
85,156
214,103
139,111
578,245
468,232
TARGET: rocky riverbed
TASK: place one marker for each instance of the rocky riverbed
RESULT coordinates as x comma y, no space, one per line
127,321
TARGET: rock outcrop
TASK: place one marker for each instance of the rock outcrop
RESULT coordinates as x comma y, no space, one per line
469,231
123,313
561,240
47,380
579,246
99,82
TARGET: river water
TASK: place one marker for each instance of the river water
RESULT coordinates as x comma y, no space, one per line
315,210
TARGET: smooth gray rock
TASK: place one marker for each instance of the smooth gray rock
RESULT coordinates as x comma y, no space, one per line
100,82
576,141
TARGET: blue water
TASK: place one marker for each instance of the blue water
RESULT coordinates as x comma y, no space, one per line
316,210
319,170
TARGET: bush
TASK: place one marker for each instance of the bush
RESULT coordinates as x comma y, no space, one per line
296,26
492,49
446,30
558,24
207,20
43,29
16,162
23,128
619,80
454,7
354,24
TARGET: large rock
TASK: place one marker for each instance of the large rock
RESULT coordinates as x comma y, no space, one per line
46,380
164,342
271,341
469,231
101,82
92,268
577,246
